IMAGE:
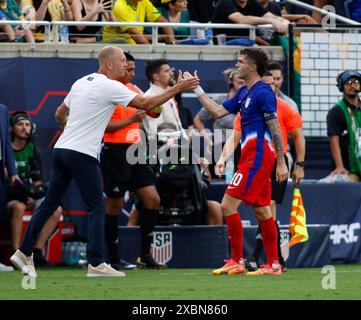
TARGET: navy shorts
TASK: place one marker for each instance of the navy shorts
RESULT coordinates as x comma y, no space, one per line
278,188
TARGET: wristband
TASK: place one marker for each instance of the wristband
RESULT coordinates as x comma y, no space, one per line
198,91
300,164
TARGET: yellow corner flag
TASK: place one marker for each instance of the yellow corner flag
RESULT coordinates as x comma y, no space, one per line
298,228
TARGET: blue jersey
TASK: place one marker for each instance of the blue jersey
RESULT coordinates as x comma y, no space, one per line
256,106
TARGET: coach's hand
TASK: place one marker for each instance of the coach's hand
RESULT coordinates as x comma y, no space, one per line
188,75
188,82
281,172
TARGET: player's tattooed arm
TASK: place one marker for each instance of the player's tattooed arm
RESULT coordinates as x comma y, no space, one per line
281,170
277,138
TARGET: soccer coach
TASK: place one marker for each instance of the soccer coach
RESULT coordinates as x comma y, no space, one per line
85,113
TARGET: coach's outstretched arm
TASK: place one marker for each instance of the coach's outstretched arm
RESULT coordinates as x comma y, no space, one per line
151,102
61,115
216,110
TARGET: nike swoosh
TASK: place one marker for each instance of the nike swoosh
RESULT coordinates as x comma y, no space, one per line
230,187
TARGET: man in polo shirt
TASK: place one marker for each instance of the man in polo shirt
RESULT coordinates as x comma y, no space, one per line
85,113
119,175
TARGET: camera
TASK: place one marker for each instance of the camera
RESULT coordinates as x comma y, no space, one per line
35,170
180,182
36,191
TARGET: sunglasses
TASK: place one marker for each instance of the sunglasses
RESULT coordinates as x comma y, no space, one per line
351,82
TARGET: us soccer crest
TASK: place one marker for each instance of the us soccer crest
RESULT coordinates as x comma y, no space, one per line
162,246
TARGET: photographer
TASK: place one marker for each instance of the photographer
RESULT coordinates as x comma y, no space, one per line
27,196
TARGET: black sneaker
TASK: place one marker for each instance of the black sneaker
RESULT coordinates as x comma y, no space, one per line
251,264
149,262
123,265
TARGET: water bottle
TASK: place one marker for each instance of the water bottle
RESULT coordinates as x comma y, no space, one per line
229,169
72,254
65,252
64,34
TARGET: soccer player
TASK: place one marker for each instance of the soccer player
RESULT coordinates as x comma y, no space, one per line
251,183
290,122
119,176
85,113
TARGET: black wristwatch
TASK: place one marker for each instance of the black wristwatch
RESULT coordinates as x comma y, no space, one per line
300,164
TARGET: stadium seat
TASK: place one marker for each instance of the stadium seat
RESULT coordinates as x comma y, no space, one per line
197,42
240,42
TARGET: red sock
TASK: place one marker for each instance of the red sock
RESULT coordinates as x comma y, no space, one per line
269,239
235,235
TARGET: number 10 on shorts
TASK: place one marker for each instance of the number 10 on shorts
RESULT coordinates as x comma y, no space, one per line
236,180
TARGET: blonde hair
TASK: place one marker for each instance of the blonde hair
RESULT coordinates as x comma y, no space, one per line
230,73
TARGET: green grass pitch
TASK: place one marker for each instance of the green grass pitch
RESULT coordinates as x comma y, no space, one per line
178,284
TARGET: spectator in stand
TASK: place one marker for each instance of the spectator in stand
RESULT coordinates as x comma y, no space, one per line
224,123
7,164
245,12
174,11
6,28
277,72
201,10
280,10
270,6
320,4
30,195
90,10
343,8
46,10
269,34
344,127
11,11
131,11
